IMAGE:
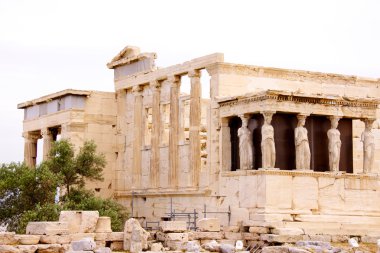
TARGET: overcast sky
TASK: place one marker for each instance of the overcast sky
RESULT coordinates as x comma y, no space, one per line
48,46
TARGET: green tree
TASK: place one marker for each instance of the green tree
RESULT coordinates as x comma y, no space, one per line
22,189
75,169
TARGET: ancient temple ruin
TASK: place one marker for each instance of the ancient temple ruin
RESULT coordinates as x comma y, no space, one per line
277,147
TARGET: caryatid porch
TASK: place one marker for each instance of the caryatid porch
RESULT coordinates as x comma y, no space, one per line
294,131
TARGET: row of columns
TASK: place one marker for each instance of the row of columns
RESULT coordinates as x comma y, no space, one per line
302,146
30,145
194,129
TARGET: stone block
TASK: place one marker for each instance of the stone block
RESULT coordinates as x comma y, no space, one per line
80,221
53,239
115,236
27,239
50,248
103,225
116,246
238,215
207,235
251,236
84,244
233,236
287,231
7,238
173,226
9,249
175,245
101,236
322,238
157,247
259,230
26,248
135,237
340,238
80,236
305,193
231,229
275,249
209,225
103,250
281,238
47,228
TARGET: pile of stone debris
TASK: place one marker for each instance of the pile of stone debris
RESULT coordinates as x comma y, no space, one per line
86,232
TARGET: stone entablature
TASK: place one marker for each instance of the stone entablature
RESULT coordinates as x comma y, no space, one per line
272,100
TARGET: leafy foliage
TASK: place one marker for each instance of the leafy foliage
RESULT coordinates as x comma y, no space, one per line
28,194
74,169
22,189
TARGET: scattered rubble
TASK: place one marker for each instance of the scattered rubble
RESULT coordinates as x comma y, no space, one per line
172,236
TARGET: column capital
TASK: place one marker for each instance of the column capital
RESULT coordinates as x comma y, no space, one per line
45,132
136,90
174,81
30,136
194,73
155,85
302,116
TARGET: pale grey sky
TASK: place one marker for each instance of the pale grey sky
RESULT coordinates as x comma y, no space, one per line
47,45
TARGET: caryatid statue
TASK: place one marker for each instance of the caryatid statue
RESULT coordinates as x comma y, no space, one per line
368,140
245,145
335,143
302,144
267,142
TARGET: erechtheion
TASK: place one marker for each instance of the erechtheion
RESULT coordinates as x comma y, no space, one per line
277,147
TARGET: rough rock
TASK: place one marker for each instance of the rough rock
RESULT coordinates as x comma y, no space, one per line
52,239
212,246
135,237
209,225
192,246
7,238
156,247
226,248
9,249
50,248
84,244
27,248
27,239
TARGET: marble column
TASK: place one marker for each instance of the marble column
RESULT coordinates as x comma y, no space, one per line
245,144
301,142
155,140
268,149
225,144
368,140
195,122
30,149
173,129
47,137
335,143
137,136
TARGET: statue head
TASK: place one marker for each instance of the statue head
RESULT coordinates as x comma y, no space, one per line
301,120
244,120
268,117
334,121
